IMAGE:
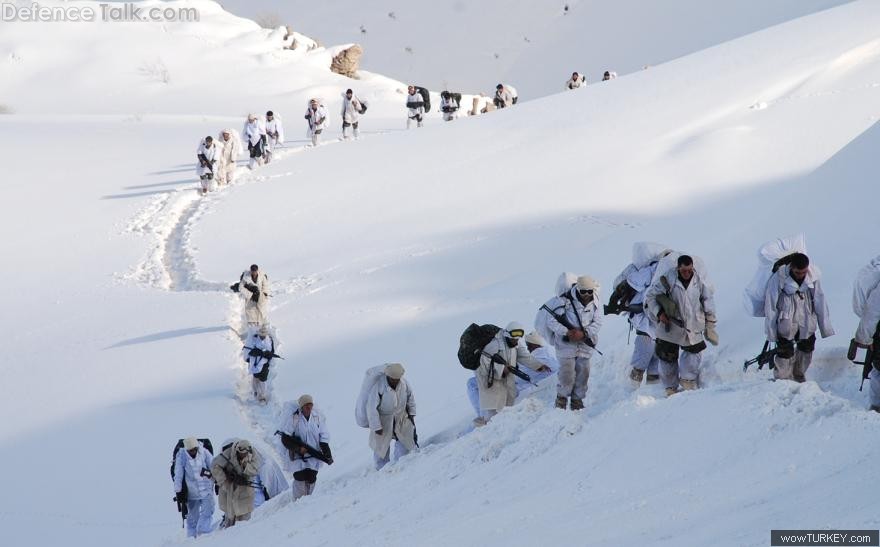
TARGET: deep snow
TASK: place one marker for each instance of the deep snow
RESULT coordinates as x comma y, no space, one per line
122,337
532,44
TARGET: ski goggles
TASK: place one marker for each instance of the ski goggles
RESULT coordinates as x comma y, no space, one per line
516,333
584,292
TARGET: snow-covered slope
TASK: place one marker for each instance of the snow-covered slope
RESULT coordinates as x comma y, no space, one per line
713,154
220,64
122,334
533,44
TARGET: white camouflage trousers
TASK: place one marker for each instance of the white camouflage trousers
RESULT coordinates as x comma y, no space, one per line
573,375
644,357
260,389
687,368
302,488
874,387
199,516
792,368
399,452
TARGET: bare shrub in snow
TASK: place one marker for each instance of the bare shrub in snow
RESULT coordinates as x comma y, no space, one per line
155,71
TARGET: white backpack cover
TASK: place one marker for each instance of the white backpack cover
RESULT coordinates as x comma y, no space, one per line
564,282
670,262
371,380
645,252
768,254
867,280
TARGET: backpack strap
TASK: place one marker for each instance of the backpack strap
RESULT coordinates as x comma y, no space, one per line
576,314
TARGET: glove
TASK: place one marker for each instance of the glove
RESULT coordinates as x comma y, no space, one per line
255,296
325,449
710,333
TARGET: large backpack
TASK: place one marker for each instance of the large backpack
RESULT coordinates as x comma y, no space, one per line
426,97
473,340
564,283
771,256
371,380
179,446
867,280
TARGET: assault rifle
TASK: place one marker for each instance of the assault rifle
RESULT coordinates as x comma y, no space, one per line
512,369
293,442
206,163
867,364
765,357
181,505
616,309
263,353
563,320
620,299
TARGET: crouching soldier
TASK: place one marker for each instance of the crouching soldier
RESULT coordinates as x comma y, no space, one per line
489,398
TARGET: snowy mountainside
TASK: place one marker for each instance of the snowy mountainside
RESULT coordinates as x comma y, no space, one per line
760,145
123,335
534,45
219,65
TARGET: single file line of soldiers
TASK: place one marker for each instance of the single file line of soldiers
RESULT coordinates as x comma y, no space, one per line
669,303
665,295
216,158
